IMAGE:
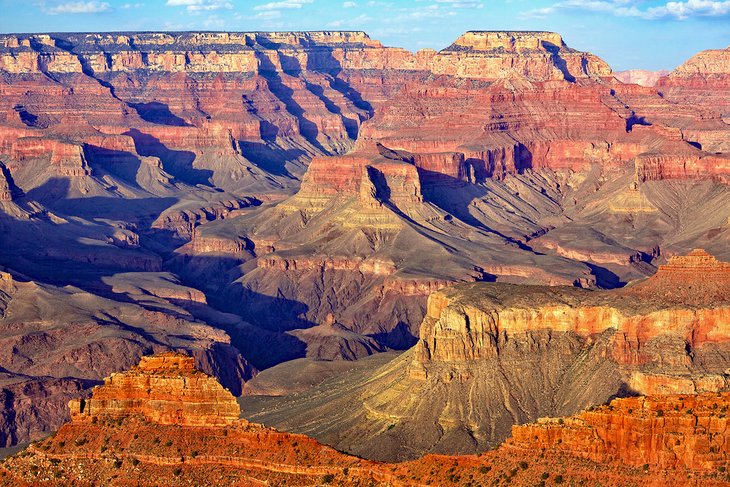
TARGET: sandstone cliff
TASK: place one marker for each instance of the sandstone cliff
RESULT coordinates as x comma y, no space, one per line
669,432
174,433
493,355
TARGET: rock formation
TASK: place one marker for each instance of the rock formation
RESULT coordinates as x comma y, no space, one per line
57,342
700,82
164,389
493,355
258,197
539,56
171,434
669,432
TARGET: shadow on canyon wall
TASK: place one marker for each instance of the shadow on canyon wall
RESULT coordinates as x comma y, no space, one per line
70,252
178,163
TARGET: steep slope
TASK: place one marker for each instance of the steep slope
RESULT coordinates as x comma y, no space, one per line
164,423
518,160
146,110
321,185
493,355
57,341
701,82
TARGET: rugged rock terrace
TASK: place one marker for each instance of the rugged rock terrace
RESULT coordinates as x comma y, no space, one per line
124,447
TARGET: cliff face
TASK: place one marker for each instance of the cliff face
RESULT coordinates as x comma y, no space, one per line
700,82
57,342
686,298
473,55
669,432
164,389
268,183
493,355
173,434
534,55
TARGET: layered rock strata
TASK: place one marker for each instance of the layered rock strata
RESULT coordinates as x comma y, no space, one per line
164,389
119,445
494,355
668,432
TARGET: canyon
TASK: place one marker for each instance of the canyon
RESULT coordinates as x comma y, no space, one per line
259,200
165,423
494,355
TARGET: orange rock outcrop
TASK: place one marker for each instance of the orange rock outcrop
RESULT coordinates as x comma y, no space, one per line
163,389
687,298
653,440
673,432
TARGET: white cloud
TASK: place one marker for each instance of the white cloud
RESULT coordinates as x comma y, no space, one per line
463,3
680,10
79,8
690,8
283,4
200,5
349,5
214,22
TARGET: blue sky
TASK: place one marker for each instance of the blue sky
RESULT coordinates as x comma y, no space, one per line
648,34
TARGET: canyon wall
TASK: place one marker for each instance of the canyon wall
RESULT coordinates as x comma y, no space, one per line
257,197
652,440
491,356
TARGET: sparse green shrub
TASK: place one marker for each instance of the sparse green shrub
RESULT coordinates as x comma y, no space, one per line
328,478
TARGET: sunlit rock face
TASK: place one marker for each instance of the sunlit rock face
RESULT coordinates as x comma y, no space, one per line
686,298
170,435
493,355
539,56
163,389
256,197
674,432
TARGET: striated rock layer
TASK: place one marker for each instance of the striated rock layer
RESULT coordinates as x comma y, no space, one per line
119,446
493,355
669,432
164,389
148,190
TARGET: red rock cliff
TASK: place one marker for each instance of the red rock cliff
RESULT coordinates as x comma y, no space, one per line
164,389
